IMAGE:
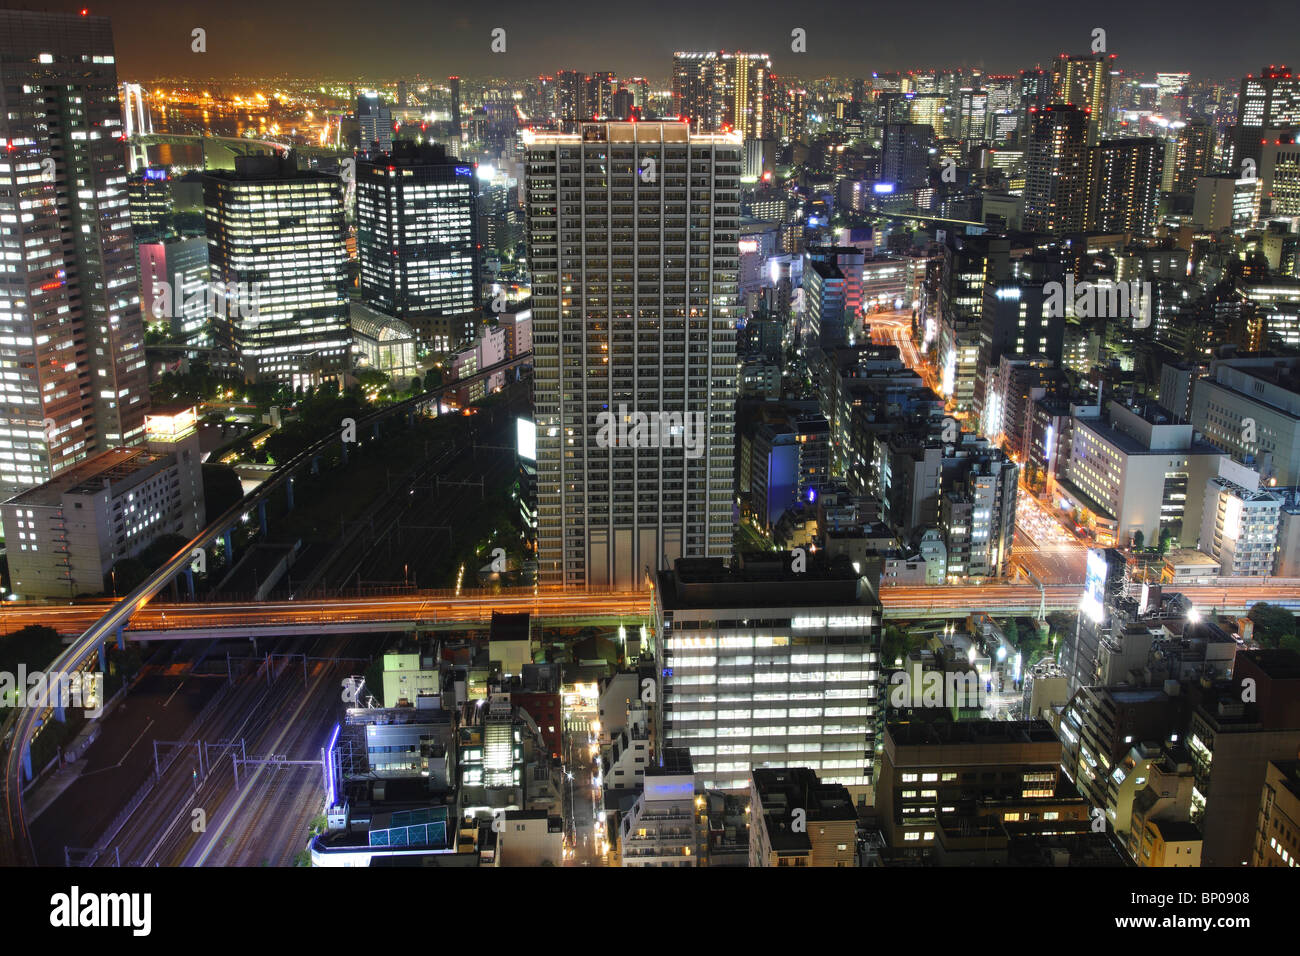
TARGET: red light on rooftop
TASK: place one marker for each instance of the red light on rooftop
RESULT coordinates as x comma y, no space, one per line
85,12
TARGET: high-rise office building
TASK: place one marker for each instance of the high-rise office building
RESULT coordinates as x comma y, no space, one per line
570,97
905,155
276,250
717,91
633,247
1270,101
1279,178
826,322
598,90
765,664
152,205
454,83
1126,187
71,334
977,508
1084,81
1016,319
174,283
1192,152
418,241
972,114
1035,94
1057,170
1171,94
374,122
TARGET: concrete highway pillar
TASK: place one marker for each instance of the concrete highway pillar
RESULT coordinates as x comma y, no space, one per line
374,431
103,657
229,538
189,581
315,464
58,709
121,638
344,446
27,762
288,487
261,515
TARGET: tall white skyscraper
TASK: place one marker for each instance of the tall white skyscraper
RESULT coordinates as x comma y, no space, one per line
633,248
74,377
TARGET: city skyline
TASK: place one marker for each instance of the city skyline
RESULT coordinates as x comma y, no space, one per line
900,470
254,40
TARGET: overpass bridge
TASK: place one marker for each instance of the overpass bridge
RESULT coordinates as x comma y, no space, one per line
407,610
219,152
21,724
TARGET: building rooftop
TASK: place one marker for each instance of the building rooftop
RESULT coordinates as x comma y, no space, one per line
673,760
761,580
1176,831
1277,664
1290,770
509,627
110,467
783,790
633,132
1189,557
926,733
266,168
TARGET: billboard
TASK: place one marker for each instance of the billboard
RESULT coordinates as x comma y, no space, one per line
1094,585
526,438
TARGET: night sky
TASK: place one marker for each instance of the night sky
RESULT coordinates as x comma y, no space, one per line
385,38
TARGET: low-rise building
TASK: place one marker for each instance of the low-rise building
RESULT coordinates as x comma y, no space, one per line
934,768
1277,837
1240,528
1169,843
530,838
662,827
63,537
799,821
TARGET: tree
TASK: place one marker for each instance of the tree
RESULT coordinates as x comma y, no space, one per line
1165,536
129,574
1139,539
34,646
1011,631
1061,622
895,645
1273,625
221,489
372,379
